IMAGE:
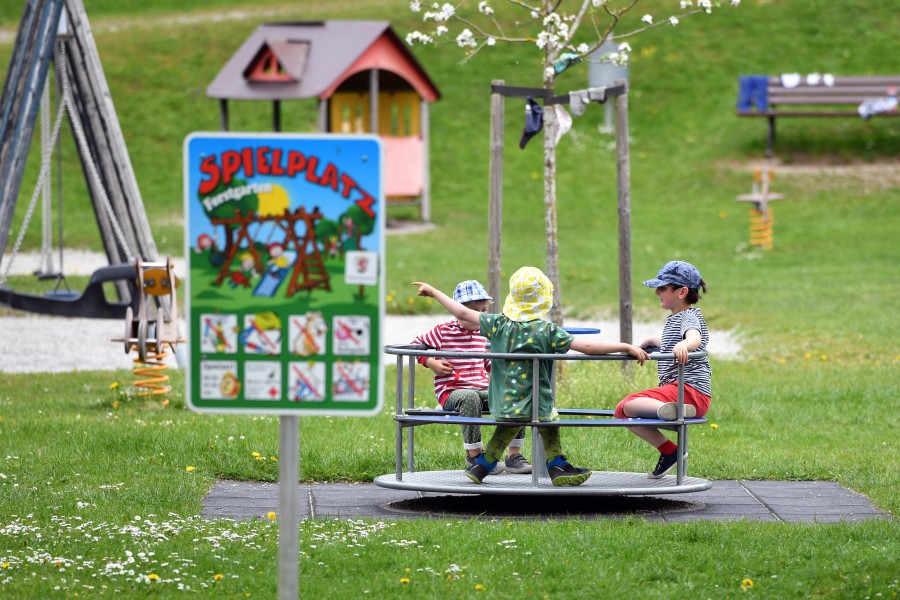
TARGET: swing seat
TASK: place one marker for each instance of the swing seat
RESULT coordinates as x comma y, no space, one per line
90,304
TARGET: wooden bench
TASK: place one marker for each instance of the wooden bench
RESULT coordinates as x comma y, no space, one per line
601,483
842,98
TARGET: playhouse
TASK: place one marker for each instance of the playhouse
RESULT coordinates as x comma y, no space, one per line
364,79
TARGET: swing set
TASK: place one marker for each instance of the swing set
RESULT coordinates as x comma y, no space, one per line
308,271
57,33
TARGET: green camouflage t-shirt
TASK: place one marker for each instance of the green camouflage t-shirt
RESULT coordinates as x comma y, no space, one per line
512,380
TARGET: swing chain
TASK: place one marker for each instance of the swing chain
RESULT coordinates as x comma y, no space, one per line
42,177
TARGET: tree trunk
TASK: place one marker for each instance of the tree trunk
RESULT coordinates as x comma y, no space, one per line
556,314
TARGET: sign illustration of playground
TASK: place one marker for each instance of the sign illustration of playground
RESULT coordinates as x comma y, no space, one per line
285,257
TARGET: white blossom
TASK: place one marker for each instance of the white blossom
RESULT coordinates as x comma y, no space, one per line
466,39
582,48
414,37
440,30
549,73
415,6
598,3
484,9
491,41
685,4
625,47
735,2
673,21
446,11
534,14
647,19
705,5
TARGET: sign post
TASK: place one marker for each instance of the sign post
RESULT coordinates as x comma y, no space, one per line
285,287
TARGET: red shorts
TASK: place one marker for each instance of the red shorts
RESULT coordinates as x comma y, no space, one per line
667,393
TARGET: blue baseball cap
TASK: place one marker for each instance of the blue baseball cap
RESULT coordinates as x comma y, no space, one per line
677,272
470,291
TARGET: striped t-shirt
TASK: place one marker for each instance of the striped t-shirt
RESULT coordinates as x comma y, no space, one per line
697,372
468,373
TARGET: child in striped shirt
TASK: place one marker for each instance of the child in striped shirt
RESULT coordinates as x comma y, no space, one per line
461,384
677,285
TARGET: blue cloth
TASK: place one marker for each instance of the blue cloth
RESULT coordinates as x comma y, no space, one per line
753,89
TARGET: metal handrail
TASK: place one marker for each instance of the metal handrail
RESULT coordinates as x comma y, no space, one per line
415,350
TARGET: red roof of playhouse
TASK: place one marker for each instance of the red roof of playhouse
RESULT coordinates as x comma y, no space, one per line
282,61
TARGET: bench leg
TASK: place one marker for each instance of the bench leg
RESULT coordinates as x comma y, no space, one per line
770,141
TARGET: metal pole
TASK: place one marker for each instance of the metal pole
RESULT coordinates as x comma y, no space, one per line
399,411
682,429
288,517
538,456
410,402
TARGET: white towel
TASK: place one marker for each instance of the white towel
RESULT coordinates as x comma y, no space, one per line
790,80
828,79
813,79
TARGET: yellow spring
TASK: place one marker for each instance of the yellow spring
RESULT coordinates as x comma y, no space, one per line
155,381
761,229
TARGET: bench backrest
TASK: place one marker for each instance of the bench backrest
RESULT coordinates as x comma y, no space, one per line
845,91
843,96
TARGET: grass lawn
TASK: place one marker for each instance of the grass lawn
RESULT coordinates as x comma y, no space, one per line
99,490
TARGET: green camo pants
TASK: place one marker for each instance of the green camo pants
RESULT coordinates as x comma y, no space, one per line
472,403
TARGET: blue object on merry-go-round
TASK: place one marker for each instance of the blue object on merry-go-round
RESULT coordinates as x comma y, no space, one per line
582,330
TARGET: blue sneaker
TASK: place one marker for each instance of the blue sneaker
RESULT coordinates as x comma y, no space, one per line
562,473
480,469
664,465
496,471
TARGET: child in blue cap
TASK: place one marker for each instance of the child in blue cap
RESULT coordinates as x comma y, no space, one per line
521,329
461,384
678,286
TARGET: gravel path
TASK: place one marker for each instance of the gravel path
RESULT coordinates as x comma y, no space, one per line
36,343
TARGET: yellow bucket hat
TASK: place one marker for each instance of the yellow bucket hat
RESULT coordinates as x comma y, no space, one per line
530,295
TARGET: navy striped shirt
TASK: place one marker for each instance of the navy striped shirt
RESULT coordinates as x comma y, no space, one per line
697,372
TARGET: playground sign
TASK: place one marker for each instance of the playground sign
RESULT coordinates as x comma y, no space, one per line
285,284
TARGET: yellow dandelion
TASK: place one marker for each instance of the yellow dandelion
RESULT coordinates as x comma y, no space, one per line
407,569
824,357
479,587
4,565
271,516
114,385
218,577
807,355
115,404
153,577
746,584
255,454
275,458
722,214
714,425
190,469
260,458
404,580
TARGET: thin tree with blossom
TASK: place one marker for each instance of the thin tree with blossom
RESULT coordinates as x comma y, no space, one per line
566,32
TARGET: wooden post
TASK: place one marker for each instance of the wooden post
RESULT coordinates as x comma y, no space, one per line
323,116
623,176
223,113
495,196
425,132
373,100
276,115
